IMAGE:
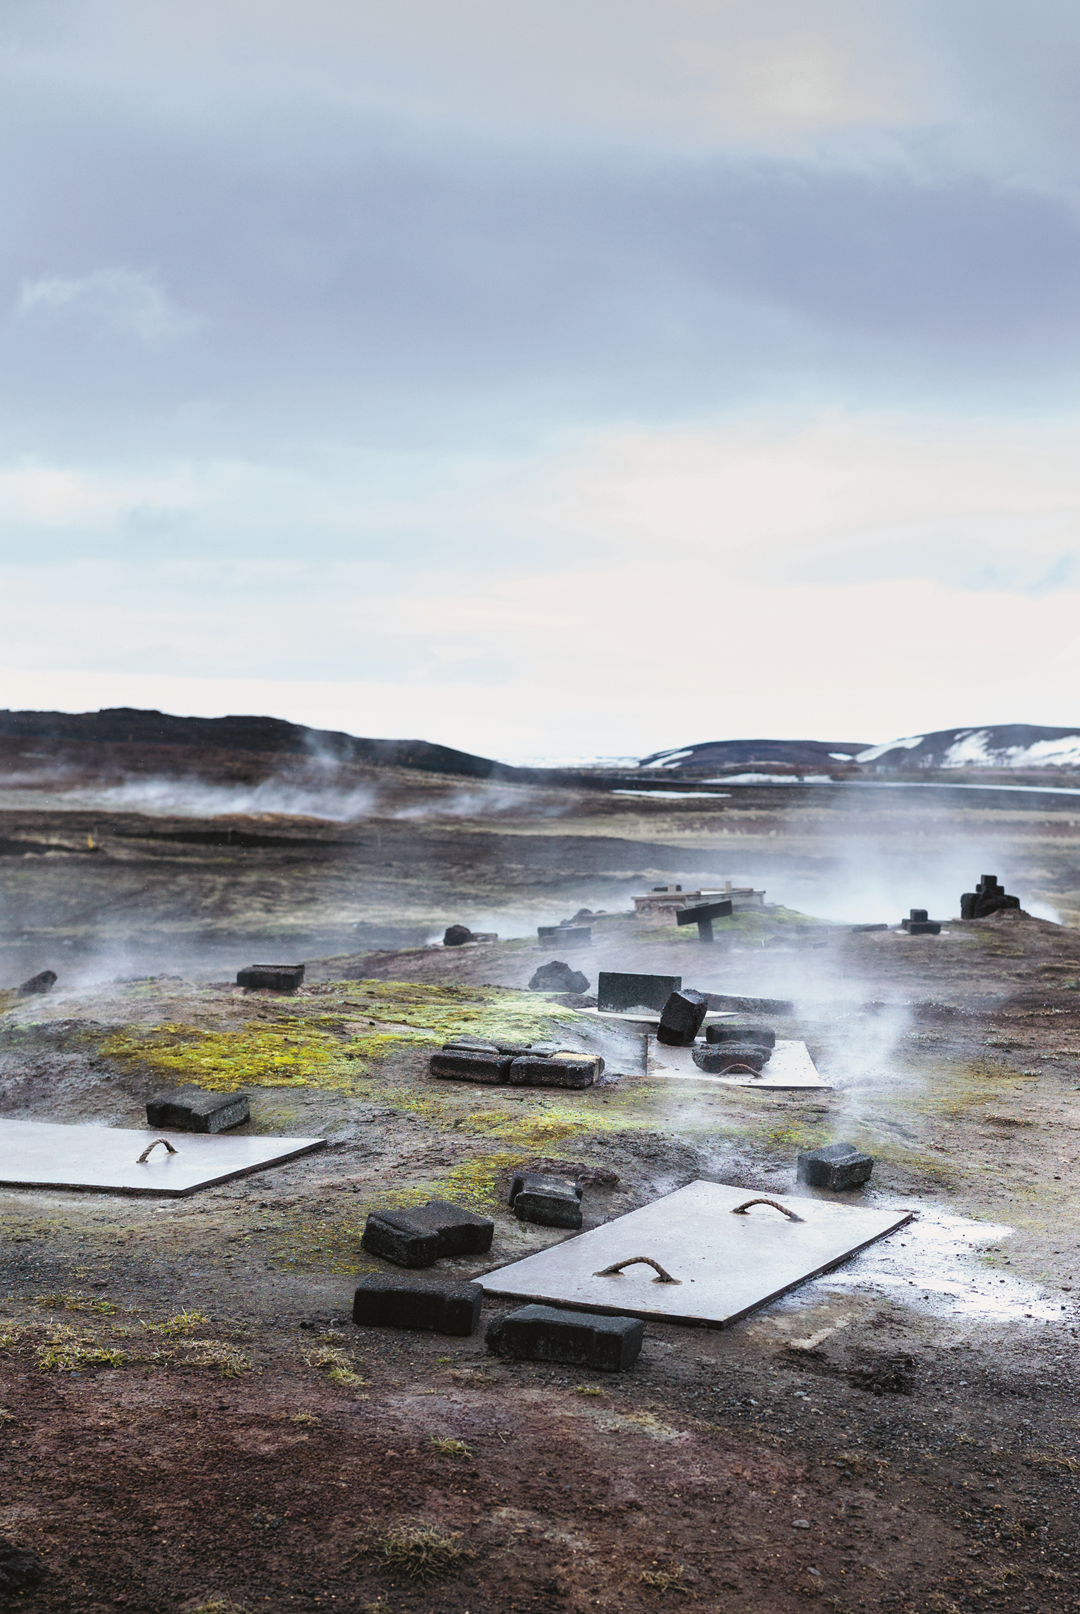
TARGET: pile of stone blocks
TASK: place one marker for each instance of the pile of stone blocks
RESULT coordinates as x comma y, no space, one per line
839,1166
190,1109
919,923
574,1338
271,977
504,1064
988,897
423,1234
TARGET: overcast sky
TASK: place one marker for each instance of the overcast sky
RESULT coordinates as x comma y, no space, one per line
546,380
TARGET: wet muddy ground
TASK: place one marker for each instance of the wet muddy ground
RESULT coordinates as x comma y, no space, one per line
190,1419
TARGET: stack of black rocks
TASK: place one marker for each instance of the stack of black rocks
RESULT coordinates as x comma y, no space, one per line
988,897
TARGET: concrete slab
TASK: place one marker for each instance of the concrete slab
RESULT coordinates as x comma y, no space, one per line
790,1068
42,1154
695,1257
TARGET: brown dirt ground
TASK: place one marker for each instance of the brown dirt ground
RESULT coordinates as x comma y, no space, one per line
890,1438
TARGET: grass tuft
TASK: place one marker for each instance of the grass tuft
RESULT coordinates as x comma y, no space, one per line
422,1552
450,1448
335,1363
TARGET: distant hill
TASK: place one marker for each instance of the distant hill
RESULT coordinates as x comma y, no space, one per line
999,745
128,738
770,756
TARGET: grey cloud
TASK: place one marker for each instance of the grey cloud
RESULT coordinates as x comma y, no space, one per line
412,294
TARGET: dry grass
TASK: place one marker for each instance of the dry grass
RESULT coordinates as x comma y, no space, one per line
180,1326
335,1363
228,1359
65,1351
450,1448
421,1552
665,1580
217,1605
76,1302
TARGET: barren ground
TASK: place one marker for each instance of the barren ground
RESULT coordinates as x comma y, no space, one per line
188,1413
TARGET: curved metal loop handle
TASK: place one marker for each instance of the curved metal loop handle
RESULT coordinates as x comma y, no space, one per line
742,1070
616,1267
741,1210
146,1152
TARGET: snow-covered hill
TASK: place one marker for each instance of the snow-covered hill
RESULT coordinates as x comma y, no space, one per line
999,745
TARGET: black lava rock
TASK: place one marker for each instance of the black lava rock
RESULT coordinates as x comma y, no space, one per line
558,977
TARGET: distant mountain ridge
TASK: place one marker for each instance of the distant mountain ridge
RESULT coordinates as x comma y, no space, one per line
998,745
804,756
123,726
1013,746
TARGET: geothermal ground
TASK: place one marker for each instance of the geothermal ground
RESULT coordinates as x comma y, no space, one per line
190,1419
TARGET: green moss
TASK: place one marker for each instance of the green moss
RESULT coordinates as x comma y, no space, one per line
329,1050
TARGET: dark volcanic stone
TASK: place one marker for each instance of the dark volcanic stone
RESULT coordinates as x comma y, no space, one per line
271,977
457,935
682,1019
19,1568
761,1036
471,1065
857,930
189,1109
396,1238
618,993
548,1201
38,985
716,1058
534,1070
419,1236
460,1232
558,977
837,1166
577,1338
923,927
398,1302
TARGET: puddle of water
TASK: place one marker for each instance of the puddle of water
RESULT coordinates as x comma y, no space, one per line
933,1265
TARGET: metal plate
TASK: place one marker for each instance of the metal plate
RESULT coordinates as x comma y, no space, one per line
790,1067
644,1017
41,1154
727,1264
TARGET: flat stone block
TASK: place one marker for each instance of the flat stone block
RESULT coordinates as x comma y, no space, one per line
190,1109
533,1070
576,1338
716,1058
471,1065
388,1301
683,1017
923,927
565,935
618,993
547,1201
271,977
397,1237
724,1031
460,1232
837,1165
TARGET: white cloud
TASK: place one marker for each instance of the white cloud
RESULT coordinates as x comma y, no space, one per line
117,303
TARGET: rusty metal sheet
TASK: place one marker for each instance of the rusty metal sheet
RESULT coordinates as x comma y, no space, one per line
43,1154
724,1262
